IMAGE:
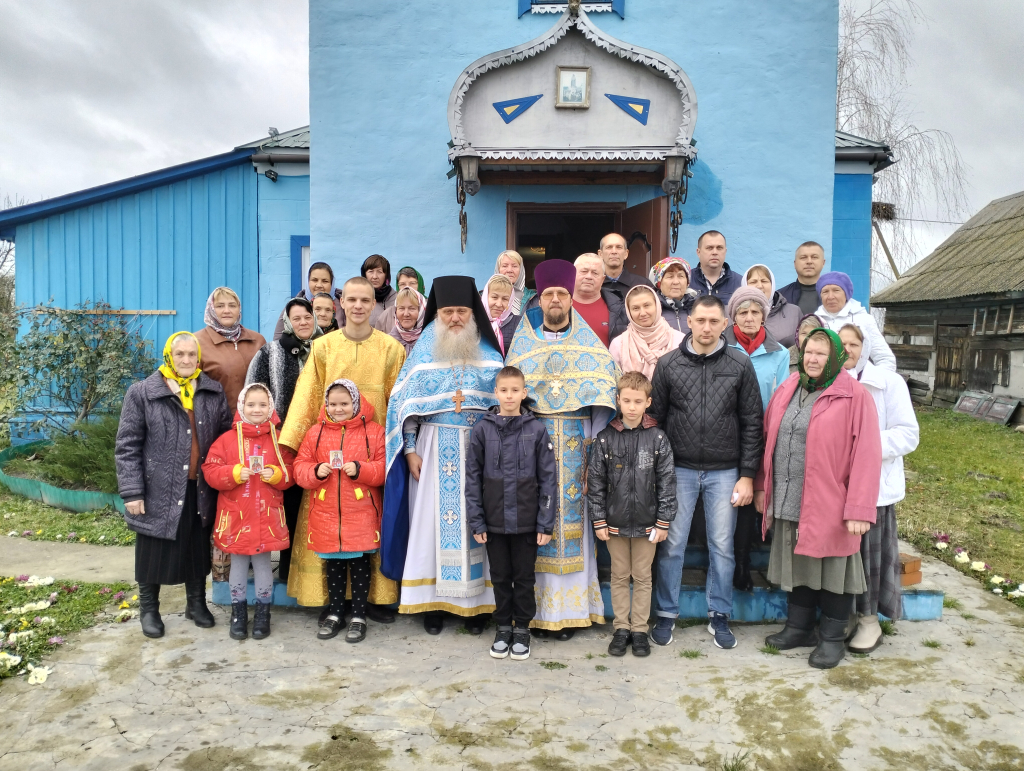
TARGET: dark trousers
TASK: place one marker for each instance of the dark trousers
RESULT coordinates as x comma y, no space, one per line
513,560
338,573
292,503
836,606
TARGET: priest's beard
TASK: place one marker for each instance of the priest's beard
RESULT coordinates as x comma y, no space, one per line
554,319
463,346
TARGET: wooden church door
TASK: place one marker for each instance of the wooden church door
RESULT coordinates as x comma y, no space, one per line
646,226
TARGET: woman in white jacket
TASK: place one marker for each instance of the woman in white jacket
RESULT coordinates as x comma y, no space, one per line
879,548
838,308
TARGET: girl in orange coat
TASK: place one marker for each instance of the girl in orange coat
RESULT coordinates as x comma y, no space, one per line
250,470
342,461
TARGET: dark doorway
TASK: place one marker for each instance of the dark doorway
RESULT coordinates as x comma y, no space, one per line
559,235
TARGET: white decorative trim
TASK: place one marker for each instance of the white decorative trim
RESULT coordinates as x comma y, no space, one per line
575,154
540,44
561,7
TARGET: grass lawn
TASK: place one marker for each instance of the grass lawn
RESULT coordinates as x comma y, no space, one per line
35,620
22,515
966,480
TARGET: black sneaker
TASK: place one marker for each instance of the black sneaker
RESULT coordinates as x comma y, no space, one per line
619,643
330,628
520,644
502,642
356,631
641,644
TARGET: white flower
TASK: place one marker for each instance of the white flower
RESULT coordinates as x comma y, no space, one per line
1015,594
941,545
37,581
46,620
37,675
997,580
980,566
997,590
7,660
30,607
103,538
14,637
13,534
962,558
58,536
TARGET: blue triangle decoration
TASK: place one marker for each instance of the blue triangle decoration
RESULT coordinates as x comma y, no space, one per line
511,109
638,109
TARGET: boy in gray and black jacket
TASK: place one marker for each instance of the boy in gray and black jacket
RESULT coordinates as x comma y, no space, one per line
510,506
631,497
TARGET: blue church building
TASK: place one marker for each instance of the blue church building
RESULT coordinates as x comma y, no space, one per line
528,125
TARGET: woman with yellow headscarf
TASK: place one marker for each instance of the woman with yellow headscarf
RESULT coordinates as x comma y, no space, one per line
168,422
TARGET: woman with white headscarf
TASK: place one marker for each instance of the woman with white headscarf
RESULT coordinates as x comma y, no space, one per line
879,547
404,320
510,265
648,336
783,317
498,294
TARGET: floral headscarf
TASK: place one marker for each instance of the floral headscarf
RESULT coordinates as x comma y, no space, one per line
410,336
661,268
298,347
834,365
353,391
241,401
232,333
419,277
186,385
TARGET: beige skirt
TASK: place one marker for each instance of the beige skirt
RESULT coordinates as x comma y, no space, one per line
839,575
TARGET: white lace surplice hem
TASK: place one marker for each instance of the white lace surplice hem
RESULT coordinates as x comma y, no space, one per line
419,581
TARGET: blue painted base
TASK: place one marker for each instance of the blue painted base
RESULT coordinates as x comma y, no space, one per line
920,603
222,594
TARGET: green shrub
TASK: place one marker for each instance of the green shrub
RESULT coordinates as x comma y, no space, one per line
82,459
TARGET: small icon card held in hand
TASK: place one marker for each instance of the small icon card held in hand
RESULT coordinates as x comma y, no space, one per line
337,459
256,464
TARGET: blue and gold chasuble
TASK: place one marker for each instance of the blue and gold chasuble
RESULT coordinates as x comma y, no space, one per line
565,378
431,392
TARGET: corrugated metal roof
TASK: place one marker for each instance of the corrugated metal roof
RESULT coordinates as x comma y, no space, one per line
984,256
844,140
296,139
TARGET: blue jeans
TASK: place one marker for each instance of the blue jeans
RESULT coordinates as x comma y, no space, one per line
720,514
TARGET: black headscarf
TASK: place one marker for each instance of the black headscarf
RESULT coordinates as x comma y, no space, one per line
289,340
447,291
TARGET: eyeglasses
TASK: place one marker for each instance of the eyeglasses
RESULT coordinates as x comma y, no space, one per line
555,294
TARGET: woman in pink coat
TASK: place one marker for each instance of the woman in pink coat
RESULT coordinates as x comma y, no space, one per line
819,482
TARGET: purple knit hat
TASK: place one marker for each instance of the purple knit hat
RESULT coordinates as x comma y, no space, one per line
835,278
555,273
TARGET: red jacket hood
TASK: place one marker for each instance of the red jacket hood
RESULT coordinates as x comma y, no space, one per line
365,411
248,429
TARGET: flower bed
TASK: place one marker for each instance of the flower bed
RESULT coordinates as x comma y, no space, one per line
38,613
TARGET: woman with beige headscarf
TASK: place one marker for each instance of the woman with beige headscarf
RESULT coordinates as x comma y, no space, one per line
648,336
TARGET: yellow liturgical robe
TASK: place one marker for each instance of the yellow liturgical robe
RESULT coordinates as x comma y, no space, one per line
373,365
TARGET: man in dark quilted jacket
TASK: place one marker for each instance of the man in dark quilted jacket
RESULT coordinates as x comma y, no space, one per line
706,398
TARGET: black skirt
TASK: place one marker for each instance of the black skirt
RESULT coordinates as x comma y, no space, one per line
187,556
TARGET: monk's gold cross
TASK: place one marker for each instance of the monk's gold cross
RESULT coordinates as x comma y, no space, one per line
556,388
458,399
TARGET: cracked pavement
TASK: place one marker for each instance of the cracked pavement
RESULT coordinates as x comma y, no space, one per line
196,700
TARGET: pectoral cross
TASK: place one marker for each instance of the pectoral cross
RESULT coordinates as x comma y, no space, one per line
458,399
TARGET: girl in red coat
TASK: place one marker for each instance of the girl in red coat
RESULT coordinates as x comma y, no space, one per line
250,470
342,461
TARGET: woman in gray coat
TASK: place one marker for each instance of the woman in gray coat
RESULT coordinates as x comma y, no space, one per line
168,422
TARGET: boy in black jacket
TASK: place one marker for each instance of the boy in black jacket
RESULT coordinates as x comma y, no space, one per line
510,506
631,497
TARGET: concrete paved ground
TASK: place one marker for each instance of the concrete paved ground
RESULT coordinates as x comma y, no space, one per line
197,701
75,561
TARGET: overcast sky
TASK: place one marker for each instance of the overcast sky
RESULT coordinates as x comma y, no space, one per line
94,91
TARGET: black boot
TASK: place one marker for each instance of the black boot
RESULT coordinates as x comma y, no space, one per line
195,603
261,622
240,621
832,645
799,631
149,610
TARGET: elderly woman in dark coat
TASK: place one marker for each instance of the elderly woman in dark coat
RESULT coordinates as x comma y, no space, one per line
277,365
168,422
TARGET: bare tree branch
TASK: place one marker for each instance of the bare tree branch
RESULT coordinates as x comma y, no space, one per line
929,181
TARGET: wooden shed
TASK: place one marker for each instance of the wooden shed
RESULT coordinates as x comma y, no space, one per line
956,319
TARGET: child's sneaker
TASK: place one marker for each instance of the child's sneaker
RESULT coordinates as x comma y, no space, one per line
719,627
662,632
356,631
520,644
641,645
619,643
330,628
502,642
